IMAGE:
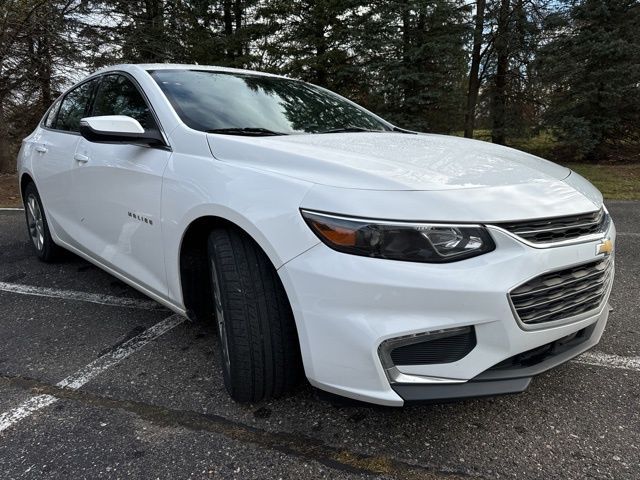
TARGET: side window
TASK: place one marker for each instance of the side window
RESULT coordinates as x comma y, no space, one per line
50,119
117,95
73,108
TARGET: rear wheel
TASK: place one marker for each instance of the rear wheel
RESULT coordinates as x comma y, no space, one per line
259,343
38,227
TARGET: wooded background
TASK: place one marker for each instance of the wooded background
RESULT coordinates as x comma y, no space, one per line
558,78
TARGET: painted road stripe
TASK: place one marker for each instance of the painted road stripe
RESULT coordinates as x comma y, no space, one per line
113,357
609,361
25,409
81,296
129,347
88,373
7,209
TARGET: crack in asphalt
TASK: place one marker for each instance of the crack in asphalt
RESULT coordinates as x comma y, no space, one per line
288,443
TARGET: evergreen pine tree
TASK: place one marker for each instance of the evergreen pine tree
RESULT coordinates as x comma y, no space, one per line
591,71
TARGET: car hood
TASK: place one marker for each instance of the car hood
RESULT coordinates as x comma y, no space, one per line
388,161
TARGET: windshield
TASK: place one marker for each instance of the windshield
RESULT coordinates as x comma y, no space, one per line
236,103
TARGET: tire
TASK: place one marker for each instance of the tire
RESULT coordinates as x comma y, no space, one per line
37,226
259,343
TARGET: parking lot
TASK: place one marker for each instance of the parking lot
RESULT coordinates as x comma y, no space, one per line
96,381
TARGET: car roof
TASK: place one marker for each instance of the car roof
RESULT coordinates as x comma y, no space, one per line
179,66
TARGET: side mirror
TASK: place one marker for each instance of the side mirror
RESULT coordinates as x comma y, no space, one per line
118,129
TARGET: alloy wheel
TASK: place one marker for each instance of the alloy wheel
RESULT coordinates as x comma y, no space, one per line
220,320
35,222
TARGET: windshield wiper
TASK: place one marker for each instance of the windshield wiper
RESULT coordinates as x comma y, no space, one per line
349,129
246,131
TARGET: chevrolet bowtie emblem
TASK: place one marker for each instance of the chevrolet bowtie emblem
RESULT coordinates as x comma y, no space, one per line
605,247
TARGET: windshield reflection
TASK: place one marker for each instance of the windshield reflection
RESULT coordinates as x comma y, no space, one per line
210,100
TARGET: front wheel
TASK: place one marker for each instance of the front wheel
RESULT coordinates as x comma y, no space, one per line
38,227
258,338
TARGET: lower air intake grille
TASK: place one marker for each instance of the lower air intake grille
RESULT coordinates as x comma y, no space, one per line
441,349
564,293
544,352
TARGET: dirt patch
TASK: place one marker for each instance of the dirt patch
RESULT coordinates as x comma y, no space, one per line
9,193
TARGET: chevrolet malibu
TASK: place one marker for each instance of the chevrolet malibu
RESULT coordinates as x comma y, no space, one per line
385,265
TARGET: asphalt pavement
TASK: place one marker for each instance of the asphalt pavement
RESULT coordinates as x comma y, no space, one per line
98,382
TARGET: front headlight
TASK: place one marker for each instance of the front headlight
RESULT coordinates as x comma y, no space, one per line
411,242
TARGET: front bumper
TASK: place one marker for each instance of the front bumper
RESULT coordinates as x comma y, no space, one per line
514,378
346,306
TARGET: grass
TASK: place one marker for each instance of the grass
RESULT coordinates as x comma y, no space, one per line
543,145
616,182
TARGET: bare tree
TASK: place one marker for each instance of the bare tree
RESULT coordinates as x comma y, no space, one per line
499,110
474,73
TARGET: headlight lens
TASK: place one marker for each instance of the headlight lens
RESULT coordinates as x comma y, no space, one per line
419,242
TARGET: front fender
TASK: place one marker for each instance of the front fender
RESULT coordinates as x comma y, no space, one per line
264,205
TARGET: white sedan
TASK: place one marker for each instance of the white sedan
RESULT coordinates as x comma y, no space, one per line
384,265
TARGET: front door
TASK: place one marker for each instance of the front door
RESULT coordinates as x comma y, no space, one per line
117,189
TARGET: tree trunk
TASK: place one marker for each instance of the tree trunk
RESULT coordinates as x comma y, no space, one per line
498,134
44,73
154,49
7,164
321,53
474,79
406,49
44,60
318,18
228,27
238,14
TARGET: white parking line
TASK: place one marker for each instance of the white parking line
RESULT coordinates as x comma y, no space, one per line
609,361
80,296
25,409
86,374
108,360
7,209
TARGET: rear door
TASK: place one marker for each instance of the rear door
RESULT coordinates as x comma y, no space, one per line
53,159
117,189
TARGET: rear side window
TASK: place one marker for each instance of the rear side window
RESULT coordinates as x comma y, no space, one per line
117,95
50,119
73,108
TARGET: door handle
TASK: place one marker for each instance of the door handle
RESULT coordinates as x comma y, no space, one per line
41,149
78,157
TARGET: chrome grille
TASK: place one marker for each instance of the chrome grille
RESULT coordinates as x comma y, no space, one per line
557,229
564,293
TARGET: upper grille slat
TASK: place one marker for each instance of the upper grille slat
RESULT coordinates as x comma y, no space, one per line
554,229
557,229
573,291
